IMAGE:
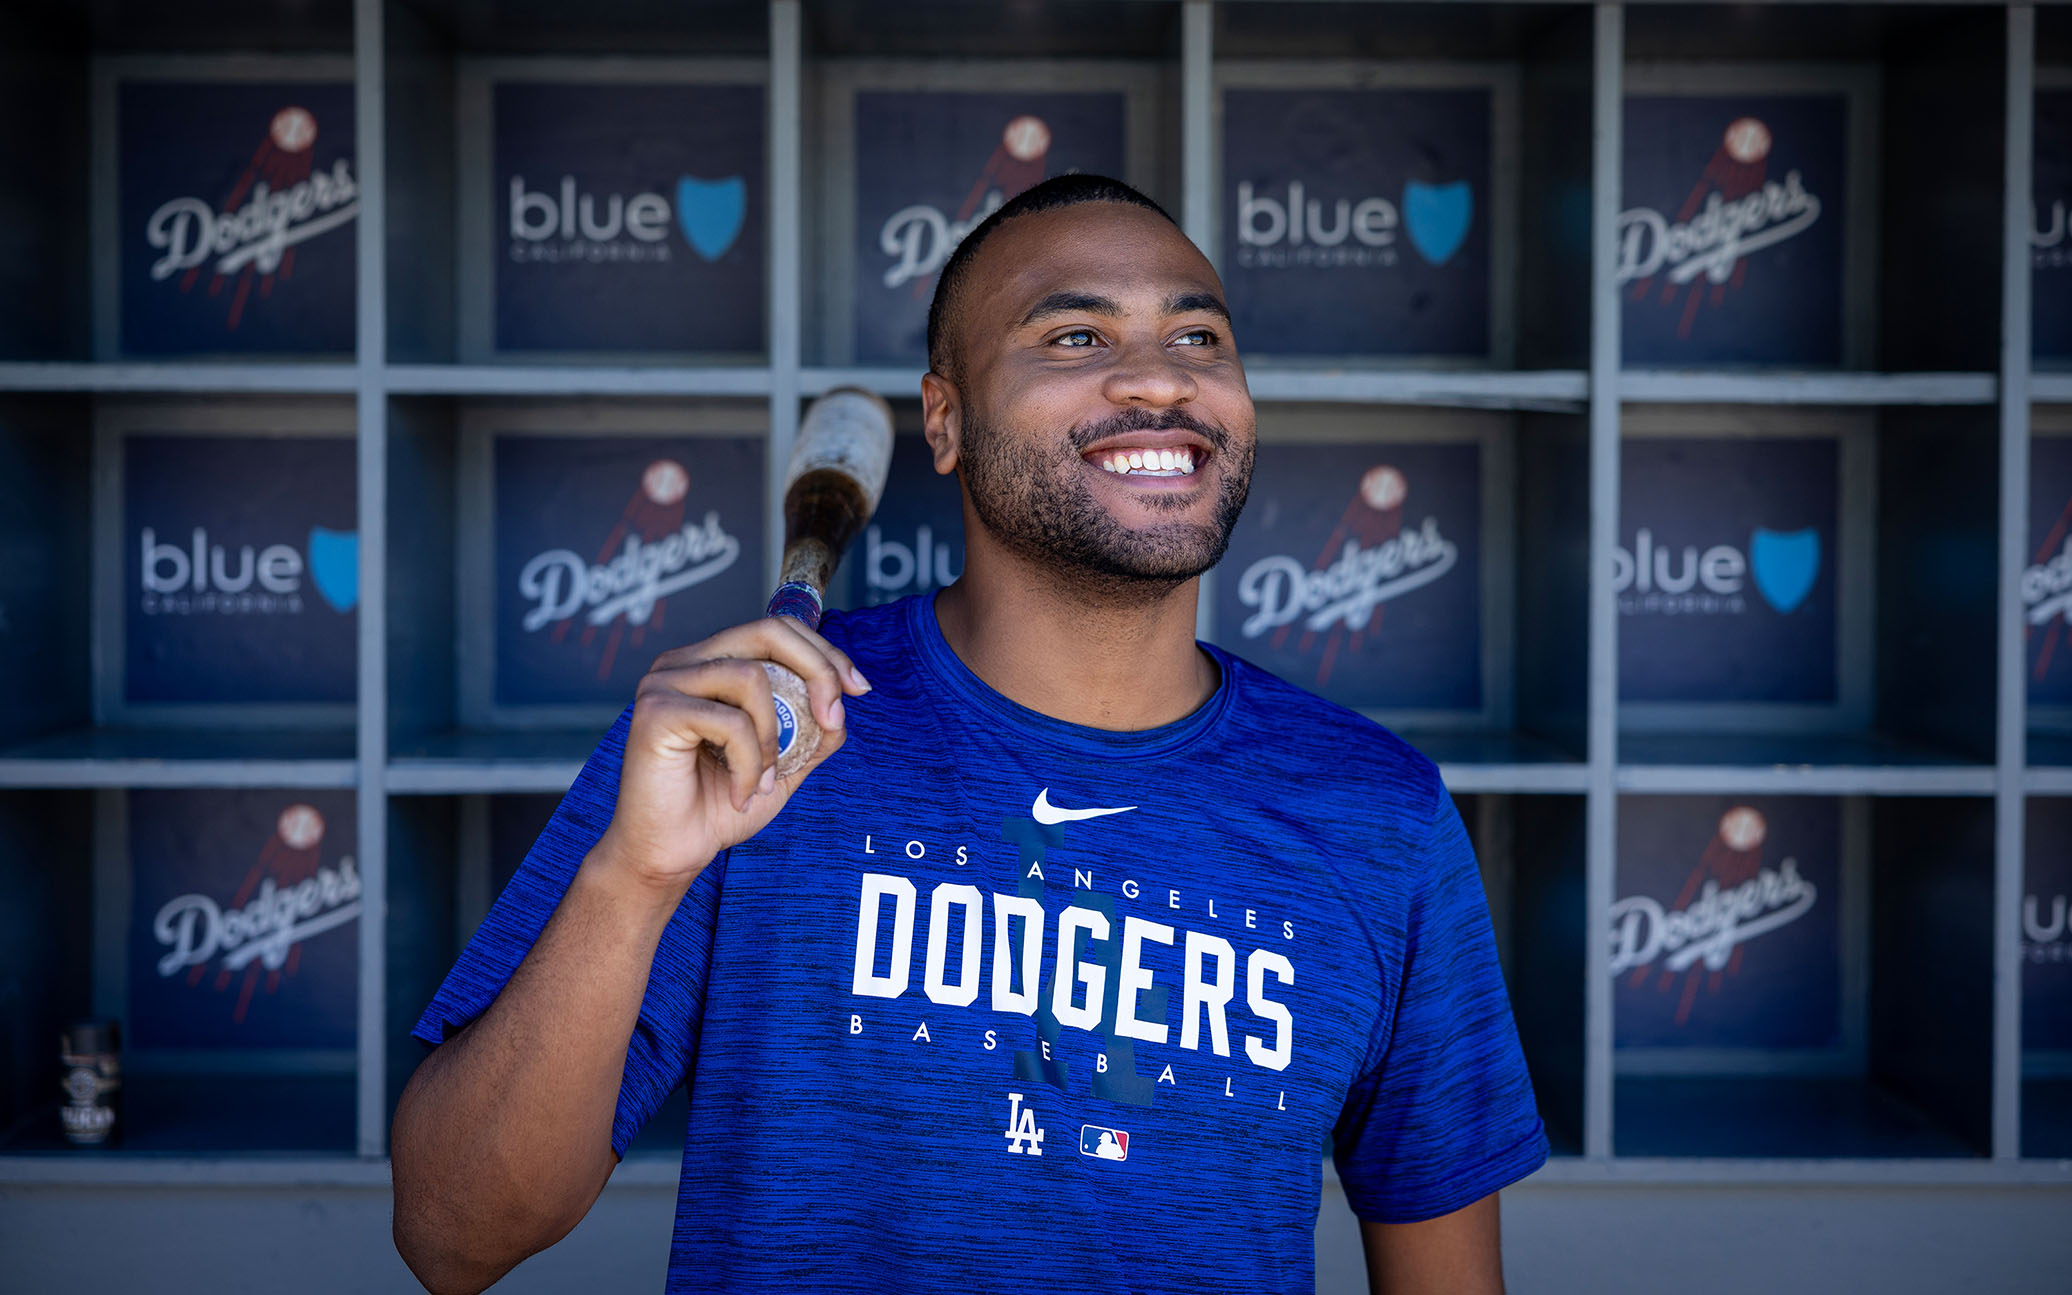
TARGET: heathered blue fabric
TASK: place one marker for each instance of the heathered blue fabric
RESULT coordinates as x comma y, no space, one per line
847,1141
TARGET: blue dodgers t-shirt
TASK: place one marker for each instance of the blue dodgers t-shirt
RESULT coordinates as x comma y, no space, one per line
999,1001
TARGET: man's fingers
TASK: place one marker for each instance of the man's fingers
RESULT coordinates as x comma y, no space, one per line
698,721
739,683
812,658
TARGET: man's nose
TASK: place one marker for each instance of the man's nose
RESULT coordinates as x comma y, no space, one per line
1145,373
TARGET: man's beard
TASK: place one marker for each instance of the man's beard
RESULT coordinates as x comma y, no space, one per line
1042,508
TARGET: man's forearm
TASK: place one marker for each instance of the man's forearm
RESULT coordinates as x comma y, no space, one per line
503,1137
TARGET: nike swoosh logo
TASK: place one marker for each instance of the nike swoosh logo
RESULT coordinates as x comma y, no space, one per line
1050,815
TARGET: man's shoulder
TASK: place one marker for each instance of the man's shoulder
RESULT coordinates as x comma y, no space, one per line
1335,744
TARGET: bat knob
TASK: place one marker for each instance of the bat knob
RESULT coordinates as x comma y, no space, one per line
798,733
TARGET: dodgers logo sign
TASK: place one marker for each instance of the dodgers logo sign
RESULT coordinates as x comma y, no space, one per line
1726,932
1356,221
931,166
1355,571
243,919
236,206
621,208
610,551
1726,575
2050,241
242,569
1730,242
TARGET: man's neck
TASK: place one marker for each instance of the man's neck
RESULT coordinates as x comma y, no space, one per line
1120,663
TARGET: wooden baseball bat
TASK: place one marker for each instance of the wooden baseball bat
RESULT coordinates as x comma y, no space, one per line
831,487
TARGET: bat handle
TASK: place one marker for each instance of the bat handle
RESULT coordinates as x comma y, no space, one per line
798,733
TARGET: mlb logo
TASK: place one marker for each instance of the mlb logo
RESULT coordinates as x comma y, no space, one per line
1103,1144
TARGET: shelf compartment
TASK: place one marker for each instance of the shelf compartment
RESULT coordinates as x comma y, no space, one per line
483,491
1425,567
1820,112
1808,586
1398,186
1768,996
550,208
236,1036
2046,980
1531,851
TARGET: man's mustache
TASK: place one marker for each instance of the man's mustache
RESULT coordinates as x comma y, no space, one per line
1149,420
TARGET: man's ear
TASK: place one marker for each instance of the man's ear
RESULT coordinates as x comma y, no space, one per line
942,421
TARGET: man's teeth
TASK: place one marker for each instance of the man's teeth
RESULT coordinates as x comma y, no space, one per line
1157,463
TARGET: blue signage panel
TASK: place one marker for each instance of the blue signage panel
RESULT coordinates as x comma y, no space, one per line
1726,570
931,165
2047,580
2047,928
629,217
1356,572
612,550
915,542
1726,929
237,203
243,929
241,575
1732,229
1356,222
2051,238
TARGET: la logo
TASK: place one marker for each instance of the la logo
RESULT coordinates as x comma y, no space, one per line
1022,1134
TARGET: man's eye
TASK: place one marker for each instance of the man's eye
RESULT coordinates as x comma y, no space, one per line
1078,337
1197,337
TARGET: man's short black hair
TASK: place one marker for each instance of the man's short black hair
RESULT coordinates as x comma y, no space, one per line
1058,191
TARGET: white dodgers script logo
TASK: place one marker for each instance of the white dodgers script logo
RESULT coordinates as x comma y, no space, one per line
286,899
278,203
661,554
1373,557
1742,211
1709,926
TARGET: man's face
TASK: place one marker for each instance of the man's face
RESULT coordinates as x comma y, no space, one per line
1105,426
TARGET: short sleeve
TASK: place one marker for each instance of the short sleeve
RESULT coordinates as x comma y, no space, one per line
666,1034
1448,1116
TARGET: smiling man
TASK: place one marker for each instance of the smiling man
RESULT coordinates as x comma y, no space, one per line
1059,972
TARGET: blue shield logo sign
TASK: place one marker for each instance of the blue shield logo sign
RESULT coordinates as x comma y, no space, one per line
1785,564
334,563
1437,216
710,213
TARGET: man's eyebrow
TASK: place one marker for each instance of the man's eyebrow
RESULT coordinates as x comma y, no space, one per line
1208,302
1071,303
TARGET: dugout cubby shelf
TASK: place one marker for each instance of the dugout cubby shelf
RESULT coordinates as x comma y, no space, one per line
1806,591
1531,851
445,786
1823,112
1807,1025
264,1062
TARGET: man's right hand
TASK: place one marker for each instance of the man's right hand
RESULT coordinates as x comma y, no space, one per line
678,806
503,1137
